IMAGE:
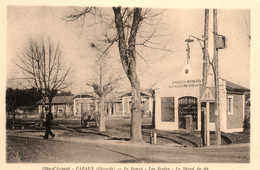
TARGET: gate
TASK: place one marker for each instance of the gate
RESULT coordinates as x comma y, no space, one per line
187,106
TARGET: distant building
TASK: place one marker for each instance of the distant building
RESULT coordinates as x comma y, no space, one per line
84,102
146,104
117,104
61,105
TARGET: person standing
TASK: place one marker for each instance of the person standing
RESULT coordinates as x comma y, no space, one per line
49,120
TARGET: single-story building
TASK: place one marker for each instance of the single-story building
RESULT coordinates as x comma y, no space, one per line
176,99
146,103
61,105
84,103
119,104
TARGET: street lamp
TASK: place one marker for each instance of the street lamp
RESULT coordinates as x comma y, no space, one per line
190,40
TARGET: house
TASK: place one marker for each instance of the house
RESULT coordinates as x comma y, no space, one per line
146,103
61,105
120,104
84,102
113,104
177,99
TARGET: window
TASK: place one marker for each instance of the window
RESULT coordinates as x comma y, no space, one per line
167,109
230,105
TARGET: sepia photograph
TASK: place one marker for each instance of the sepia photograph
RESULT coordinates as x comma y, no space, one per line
123,87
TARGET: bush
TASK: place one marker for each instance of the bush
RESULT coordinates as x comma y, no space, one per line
246,123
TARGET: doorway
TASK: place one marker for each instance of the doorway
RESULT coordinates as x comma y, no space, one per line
188,105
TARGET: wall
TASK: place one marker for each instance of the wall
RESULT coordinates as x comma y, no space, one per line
126,105
176,93
147,106
83,105
235,120
222,109
117,109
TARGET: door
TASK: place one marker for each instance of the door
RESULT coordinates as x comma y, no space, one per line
187,106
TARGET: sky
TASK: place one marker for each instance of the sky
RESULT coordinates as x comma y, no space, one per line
25,22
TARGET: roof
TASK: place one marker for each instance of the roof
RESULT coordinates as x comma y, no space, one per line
232,87
143,93
117,96
86,95
114,96
58,100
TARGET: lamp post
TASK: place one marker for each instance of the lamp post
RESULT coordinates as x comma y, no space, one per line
205,134
204,112
219,43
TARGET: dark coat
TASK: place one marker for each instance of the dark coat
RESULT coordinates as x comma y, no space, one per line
49,119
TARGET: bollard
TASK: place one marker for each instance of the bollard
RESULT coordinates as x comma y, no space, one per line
151,137
154,138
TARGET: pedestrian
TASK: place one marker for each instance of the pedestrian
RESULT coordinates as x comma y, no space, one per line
49,119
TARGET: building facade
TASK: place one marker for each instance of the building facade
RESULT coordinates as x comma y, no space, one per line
187,98
62,106
83,103
120,104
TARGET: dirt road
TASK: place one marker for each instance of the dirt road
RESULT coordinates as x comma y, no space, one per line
33,150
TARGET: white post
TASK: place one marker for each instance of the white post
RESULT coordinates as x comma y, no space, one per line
155,138
207,125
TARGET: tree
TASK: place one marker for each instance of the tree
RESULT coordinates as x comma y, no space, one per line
65,93
127,24
245,27
11,102
21,98
104,82
41,61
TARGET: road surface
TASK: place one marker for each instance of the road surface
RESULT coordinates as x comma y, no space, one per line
34,150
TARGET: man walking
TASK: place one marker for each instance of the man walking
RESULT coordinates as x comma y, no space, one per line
49,119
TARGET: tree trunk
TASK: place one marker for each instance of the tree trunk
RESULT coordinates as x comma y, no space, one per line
13,118
102,123
50,102
42,113
136,121
128,60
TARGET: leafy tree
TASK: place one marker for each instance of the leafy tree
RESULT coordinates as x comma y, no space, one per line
21,98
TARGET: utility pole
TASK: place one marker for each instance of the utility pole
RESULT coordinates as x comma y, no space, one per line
206,134
205,49
216,78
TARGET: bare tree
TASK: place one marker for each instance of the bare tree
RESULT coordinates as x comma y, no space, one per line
103,84
124,28
246,28
44,69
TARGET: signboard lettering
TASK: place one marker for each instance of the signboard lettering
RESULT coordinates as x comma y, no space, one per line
185,83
